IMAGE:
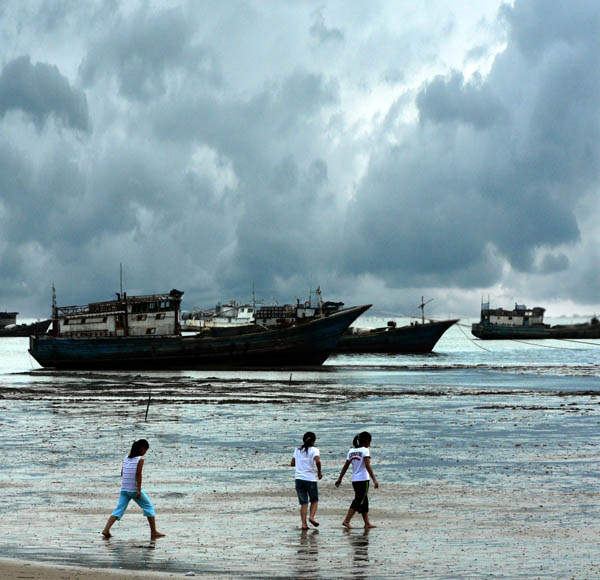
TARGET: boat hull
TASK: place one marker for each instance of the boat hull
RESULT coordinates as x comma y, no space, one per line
307,344
26,329
500,332
419,338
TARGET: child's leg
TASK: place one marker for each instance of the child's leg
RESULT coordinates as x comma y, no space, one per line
106,531
368,524
153,531
124,499
144,502
314,502
313,511
303,512
349,515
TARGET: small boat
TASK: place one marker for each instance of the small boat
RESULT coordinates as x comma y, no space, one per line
144,332
9,326
527,323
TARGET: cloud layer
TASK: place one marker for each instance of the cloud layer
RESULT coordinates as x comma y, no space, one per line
383,153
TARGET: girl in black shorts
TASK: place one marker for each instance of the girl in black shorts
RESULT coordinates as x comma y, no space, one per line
360,458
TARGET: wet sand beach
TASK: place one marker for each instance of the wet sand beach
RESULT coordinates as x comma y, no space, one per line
485,471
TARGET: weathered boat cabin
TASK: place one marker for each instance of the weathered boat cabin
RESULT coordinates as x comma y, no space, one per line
155,314
7,318
520,316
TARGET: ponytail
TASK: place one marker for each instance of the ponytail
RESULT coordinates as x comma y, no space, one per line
308,440
137,447
360,439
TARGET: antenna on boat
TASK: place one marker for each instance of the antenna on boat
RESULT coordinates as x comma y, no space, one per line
422,307
121,278
53,301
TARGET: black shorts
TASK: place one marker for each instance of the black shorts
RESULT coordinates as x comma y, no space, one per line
360,503
305,490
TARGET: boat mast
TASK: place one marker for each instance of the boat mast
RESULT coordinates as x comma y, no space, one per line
422,307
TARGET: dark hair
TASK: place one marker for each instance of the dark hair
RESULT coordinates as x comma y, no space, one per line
361,439
308,440
137,447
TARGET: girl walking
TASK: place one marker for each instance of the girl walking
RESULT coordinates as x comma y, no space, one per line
305,459
131,489
360,458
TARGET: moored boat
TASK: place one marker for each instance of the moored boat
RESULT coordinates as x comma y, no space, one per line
411,338
528,323
10,328
144,332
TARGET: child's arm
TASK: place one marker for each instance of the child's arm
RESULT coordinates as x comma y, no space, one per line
293,462
370,470
138,477
344,469
318,464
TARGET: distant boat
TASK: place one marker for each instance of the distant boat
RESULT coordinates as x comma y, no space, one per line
144,332
412,338
527,323
9,326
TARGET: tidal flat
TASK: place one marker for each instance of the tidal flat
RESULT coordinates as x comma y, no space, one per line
487,468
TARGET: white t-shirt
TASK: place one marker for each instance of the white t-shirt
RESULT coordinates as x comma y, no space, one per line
356,456
305,463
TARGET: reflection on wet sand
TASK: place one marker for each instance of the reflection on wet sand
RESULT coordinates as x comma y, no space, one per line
129,554
359,542
307,555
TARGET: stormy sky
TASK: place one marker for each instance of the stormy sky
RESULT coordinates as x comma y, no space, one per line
382,150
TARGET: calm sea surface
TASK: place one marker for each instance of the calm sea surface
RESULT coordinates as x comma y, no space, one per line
486,452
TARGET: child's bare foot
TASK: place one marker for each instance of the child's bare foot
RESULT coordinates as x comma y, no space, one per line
370,526
157,535
347,525
314,522
304,528
106,534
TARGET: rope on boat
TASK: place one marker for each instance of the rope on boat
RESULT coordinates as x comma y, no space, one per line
578,341
541,345
472,339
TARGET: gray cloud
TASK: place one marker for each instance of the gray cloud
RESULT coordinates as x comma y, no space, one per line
499,160
221,152
450,99
321,33
40,90
145,50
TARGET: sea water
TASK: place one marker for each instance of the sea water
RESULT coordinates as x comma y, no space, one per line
486,452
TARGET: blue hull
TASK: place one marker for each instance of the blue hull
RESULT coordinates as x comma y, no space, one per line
418,338
306,344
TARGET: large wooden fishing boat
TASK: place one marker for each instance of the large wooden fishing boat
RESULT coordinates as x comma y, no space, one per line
144,332
527,323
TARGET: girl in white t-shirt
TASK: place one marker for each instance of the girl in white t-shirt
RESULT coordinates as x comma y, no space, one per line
360,458
305,459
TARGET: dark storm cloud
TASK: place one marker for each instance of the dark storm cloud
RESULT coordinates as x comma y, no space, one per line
500,160
40,90
282,143
145,49
444,100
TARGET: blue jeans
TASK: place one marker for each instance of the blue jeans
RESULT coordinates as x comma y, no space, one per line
143,501
307,489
